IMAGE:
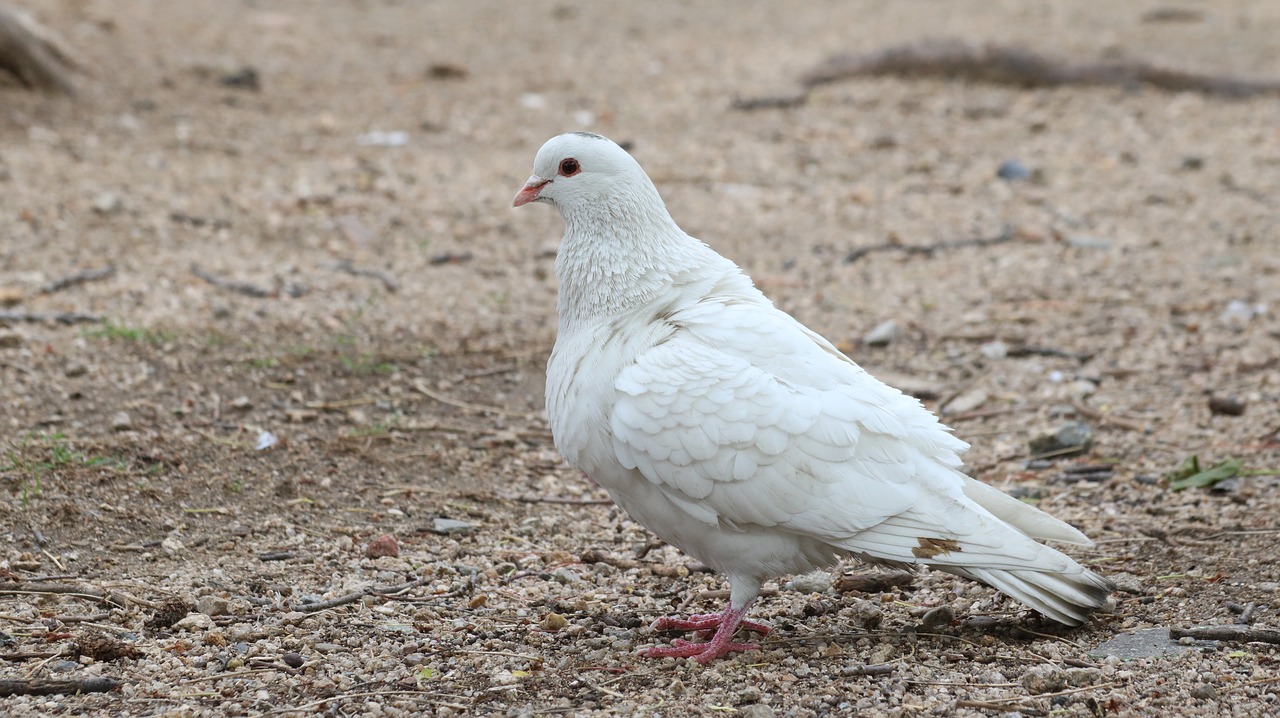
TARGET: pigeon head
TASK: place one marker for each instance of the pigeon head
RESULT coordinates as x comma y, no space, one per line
581,170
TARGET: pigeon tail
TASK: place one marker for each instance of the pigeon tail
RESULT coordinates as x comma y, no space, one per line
1067,597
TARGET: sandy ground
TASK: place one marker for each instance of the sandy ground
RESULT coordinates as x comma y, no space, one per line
410,398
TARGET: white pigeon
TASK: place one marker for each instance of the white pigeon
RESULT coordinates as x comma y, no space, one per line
741,436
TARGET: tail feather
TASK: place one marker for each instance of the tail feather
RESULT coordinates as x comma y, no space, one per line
1024,517
1067,597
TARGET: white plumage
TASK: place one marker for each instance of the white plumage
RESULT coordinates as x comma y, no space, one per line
737,434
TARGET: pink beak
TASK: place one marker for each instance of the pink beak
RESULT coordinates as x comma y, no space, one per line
530,191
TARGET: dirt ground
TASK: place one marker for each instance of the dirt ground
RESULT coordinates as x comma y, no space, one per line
290,146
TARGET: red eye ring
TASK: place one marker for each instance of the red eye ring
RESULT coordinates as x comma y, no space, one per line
569,167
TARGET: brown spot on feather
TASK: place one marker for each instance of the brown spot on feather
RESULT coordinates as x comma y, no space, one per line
930,547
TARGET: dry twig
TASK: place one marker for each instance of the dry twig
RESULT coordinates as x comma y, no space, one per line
250,290
357,595
1009,65
59,317
114,597
48,687
1236,633
87,275
387,279
1006,235
422,388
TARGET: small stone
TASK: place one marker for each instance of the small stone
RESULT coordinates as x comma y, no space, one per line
1226,405
967,400
213,606
1012,171
120,421
442,525
1239,313
868,614
1080,677
10,296
195,622
994,350
172,546
63,666
938,617
881,334
10,340
565,576
1127,582
246,78
328,648
750,694
1085,241
293,660
1204,692
813,582
553,622
384,545
756,710
1068,438
1081,388
108,203
75,369
1044,679
241,403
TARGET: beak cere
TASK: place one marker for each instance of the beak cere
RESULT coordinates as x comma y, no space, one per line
529,192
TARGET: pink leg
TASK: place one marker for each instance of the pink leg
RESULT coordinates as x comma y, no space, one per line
725,623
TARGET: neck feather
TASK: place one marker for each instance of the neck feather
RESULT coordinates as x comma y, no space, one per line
624,253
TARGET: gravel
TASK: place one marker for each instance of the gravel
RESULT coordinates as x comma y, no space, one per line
369,362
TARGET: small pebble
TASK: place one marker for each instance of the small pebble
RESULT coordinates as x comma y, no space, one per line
120,421
213,605
938,617
384,545
553,622
1068,438
195,622
994,350
882,334
293,660
756,710
108,203
565,576
1226,405
1012,171
442,525
968,400
1044,679
1205,692
10,339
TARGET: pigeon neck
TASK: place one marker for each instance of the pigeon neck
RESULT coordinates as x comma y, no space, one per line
615,258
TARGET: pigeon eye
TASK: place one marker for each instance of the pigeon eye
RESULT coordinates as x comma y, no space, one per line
569,167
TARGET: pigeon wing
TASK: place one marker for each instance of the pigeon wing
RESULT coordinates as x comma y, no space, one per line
741,418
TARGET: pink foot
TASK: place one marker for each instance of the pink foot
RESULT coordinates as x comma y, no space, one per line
725,625
704,622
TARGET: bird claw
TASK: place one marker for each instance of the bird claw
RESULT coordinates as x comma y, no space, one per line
700,652
704,622
724,625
